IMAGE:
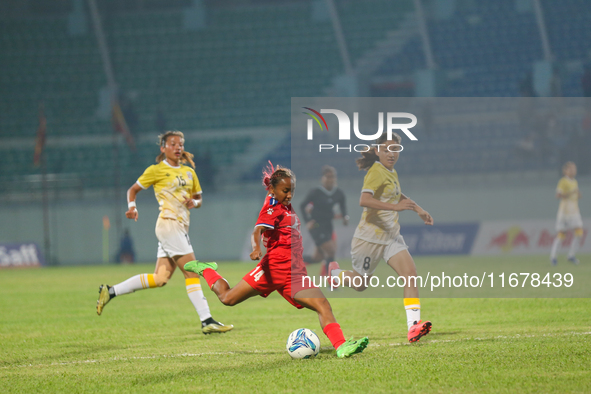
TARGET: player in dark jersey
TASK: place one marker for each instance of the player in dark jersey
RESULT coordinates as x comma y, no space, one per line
282,268
317,211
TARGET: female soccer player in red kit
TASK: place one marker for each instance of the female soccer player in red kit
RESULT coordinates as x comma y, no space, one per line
282,268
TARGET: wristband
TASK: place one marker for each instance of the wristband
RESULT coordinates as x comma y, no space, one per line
131,204
197,203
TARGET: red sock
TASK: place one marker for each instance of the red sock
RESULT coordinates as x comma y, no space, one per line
211,276
334,333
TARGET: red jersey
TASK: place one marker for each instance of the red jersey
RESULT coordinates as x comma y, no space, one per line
283,226
282,268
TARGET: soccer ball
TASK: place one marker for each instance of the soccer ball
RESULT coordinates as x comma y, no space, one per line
303,343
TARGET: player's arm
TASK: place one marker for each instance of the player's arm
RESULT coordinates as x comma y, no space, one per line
131,194
367,200
560,195
562,190
343,208
374,181
195,199
424,215
194,202
305,207
255,242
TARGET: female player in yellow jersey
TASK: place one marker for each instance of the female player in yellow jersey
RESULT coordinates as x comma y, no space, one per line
177,190
378,234
568,217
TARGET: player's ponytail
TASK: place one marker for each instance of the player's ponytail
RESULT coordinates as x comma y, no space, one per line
267,173
273,175
368,158
186,157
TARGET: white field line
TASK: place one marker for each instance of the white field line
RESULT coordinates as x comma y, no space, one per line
518,336
130,358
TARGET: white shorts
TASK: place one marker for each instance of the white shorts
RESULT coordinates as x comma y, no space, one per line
367,255
570,222
173,238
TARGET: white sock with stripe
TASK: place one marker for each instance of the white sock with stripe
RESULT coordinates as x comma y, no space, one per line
197,298
138,282
413,311
336,272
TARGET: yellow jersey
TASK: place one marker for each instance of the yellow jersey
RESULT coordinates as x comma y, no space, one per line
171,186
569,205
376,225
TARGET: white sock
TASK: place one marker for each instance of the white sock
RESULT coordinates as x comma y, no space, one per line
197,298
413,311
555,247
335,272
574,246
138,282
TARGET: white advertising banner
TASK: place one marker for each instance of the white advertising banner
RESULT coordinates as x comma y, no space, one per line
518,237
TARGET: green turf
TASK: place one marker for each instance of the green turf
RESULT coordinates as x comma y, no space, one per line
53,341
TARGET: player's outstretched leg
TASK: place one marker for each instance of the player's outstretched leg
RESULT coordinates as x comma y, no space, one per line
159,278
229,296
105,295
351,347
198,267
314,299
211,326
345,278
137,282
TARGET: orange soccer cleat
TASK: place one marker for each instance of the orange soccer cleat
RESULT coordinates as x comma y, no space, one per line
418,330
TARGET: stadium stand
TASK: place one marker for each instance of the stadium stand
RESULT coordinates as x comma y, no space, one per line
242,69
237,72
494,47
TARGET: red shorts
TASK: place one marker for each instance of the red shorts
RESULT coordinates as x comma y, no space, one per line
277,273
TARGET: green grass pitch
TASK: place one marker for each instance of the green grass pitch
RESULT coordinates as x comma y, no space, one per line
53,341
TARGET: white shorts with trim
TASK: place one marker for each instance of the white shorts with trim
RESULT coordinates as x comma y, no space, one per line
173,238
570,222
367,255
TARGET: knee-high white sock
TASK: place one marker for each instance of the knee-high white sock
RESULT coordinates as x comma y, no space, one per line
197,298
336,272
413,311
138,282
555,247
574,246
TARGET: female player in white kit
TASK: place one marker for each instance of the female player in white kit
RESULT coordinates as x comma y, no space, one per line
378,234
177,190
568,216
